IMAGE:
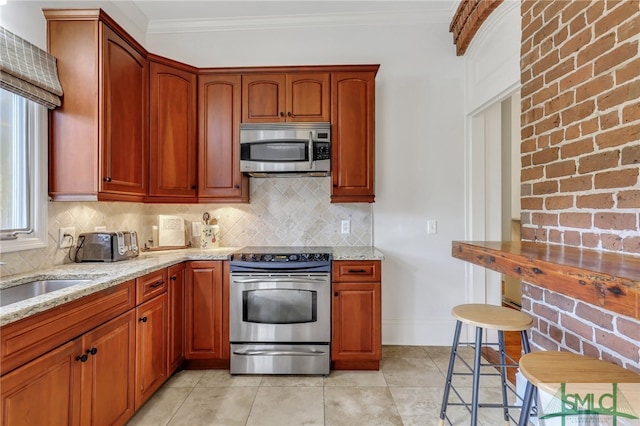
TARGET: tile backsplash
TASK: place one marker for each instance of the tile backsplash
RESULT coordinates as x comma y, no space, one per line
282,212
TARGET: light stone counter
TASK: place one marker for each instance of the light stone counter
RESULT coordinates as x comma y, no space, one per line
105,275
356,253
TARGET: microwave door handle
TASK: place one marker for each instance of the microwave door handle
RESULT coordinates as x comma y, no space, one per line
310,150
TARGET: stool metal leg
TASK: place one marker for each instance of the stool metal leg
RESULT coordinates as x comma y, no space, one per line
503,375
452,359
527,403
525,342
476,378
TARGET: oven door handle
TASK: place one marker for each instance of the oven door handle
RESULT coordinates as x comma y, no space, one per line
278,280
267,352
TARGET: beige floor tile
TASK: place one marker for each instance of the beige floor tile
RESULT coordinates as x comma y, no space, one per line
287,406
417,372
352,406
222,378
184,379
161,407
392,351
418,402
355,378
211,406
305,381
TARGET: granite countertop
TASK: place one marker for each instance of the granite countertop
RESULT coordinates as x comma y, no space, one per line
105,275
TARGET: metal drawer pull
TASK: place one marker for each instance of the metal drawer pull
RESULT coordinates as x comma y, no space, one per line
266,352
357,271
156,284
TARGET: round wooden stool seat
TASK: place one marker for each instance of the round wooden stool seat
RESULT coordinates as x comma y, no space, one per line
565,367
492,317
551,372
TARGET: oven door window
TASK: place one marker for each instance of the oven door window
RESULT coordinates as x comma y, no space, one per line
290,151
279,306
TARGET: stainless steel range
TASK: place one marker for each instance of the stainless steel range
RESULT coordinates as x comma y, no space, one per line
280,311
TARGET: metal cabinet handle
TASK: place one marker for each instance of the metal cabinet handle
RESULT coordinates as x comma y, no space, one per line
82,358
310,150
289,114
156,284
107,179
92,351
173,278
357,271
336,294
281,114
143,319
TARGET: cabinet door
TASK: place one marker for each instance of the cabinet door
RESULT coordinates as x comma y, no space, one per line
352,134
307,96
175,293
124,136
356,322
108,373
220,179
172,134
263,98
207,326
45,391
151,348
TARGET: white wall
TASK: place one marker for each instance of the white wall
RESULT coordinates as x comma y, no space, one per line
492,74
420,172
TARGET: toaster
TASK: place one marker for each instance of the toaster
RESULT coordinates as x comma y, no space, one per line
106,246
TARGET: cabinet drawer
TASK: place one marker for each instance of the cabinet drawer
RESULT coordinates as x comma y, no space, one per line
31,337
356,270
151,285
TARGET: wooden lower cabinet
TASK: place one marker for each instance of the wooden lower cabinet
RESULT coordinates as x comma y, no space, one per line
207,314
356,315
176,300
88,381
151,347
44,392
108,372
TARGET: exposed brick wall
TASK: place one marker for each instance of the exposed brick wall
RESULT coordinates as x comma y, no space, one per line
580,73
564,323
580,67
467,21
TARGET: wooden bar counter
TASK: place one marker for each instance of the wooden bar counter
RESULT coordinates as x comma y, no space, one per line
608,280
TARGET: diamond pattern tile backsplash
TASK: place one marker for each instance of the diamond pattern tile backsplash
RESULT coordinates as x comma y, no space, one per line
282,212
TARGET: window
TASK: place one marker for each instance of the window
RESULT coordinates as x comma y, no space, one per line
23,172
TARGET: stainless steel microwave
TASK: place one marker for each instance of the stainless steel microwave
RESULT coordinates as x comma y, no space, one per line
285,149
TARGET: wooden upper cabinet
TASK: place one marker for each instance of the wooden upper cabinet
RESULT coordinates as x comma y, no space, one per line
291,97
219,177
99,137
352,136
172,132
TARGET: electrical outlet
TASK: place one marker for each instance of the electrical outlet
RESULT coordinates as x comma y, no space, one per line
345,226
66,237
432,227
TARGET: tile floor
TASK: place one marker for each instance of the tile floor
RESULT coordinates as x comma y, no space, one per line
406,391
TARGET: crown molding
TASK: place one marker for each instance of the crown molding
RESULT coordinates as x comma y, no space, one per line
172,26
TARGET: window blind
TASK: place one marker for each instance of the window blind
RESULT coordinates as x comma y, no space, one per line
28,71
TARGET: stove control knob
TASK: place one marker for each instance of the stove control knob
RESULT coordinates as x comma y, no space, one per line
293,257
267,257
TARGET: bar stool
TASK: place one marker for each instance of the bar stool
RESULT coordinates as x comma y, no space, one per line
549,371
488,317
